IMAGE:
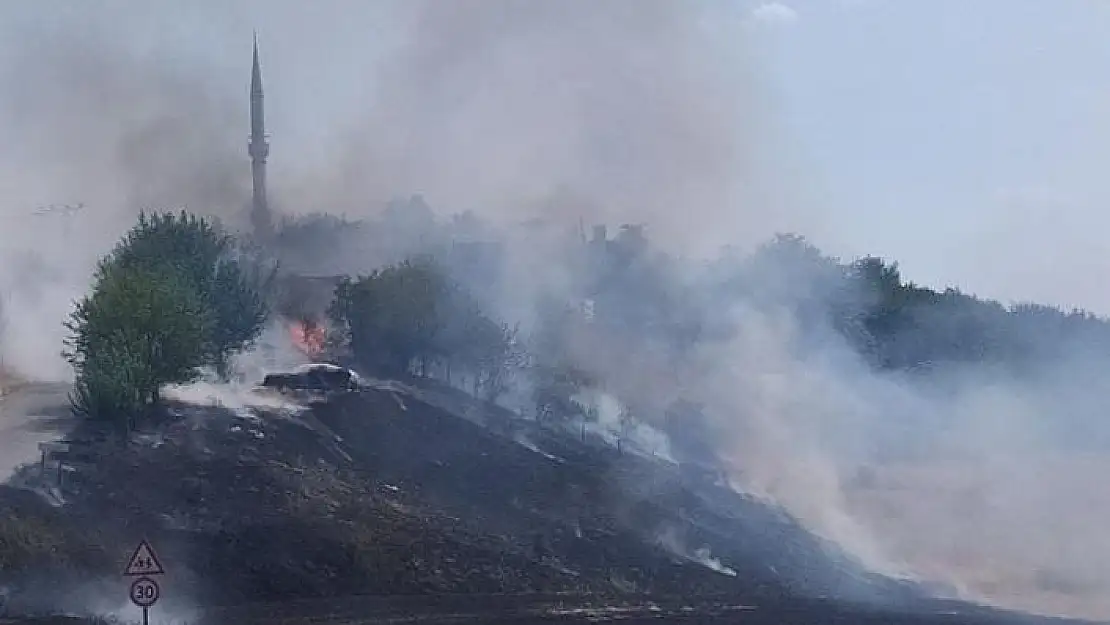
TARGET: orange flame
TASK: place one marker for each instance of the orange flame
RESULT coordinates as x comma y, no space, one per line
309,337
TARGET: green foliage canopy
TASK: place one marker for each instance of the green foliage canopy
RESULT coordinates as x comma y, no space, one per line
194,248
408,317
139,329
392,316
171,298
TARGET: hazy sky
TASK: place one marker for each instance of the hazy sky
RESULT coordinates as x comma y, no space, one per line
968,139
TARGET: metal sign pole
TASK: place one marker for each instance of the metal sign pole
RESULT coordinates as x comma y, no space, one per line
146,617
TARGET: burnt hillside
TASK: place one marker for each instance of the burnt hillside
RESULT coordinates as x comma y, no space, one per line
583,506
381,493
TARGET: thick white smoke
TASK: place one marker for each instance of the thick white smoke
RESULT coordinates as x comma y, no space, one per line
96,133
619,112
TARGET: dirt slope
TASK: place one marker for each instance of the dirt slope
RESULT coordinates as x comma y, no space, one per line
382,493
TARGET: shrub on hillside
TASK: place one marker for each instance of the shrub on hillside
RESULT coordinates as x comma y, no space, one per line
172,297
140,329
231,290
410,318
390,318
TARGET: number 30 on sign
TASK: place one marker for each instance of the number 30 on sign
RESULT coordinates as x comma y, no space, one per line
144,592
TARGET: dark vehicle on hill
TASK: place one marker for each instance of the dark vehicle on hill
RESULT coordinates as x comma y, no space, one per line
316,377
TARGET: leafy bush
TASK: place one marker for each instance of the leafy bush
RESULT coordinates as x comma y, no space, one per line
410,317
171,298
140,329
391,317
231,290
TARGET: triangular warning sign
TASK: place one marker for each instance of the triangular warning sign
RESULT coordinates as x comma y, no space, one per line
144,562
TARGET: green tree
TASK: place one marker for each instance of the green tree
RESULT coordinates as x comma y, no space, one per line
555,387
477,343
237,306
493,353
407,317
140,329
390,319
557,379
174,295
230,288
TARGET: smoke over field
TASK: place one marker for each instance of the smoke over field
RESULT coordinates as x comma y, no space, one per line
578,112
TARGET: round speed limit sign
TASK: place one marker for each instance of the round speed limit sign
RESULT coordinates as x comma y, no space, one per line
144,592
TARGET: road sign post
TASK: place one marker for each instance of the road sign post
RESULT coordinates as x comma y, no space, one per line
144,591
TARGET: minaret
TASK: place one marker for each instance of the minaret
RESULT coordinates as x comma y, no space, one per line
259,149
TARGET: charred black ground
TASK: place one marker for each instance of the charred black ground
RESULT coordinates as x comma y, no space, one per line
392,492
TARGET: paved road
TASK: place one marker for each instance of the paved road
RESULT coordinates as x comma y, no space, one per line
536,610
30,414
